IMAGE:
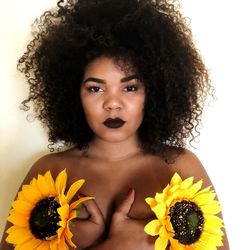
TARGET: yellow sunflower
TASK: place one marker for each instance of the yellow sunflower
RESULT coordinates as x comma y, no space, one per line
186,217
41,214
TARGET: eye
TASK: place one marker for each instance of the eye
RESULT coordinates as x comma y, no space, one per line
130,88
94,89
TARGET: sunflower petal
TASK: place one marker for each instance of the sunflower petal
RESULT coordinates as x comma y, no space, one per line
31,194
79,201
160,211
68,236
203,244
205,190
72,215
173,189
159,197
50,183
73,189
60,233
151,202
30,244
216,232
174,245
170,199
213,221
187,183
18,219
163,232
53,244
63,211
199,246
168,225
208,238
161,243
22,207
205,198
62,245
20,196
166,189
12,229
185,192
211,208
19,236
153,227
43,246
61,180
43,186
176,179
195,187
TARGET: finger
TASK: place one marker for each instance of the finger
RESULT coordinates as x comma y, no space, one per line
125,206
94,211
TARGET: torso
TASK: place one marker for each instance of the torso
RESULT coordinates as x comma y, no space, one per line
109,182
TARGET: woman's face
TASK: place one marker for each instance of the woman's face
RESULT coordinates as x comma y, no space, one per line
112,100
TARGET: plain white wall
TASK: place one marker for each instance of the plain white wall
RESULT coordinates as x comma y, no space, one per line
221,32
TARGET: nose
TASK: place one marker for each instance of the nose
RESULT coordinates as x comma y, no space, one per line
112,102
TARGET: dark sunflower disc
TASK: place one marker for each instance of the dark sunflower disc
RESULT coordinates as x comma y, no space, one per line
44,218
187,220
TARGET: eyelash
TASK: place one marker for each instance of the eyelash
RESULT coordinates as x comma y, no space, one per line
95,89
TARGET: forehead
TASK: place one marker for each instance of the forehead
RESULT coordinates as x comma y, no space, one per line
107,65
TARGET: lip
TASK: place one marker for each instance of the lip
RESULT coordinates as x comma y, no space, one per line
114,123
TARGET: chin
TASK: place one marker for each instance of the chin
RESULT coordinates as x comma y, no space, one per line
114,136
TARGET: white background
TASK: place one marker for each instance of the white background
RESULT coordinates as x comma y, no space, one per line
221,32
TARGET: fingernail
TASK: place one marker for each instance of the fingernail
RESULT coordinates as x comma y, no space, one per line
81,195
130,190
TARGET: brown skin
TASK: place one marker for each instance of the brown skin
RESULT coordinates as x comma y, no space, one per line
108,180
108,92
113,164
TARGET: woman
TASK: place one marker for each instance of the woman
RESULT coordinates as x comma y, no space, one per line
123,85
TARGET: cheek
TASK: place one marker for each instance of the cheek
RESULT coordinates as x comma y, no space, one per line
137,108
140,105
141,113
88,110
89,105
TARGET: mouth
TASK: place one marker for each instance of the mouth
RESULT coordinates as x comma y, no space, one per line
114,123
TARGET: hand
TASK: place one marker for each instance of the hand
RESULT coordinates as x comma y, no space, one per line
127,233
89,228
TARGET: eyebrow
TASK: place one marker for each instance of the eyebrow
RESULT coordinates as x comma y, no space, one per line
97,80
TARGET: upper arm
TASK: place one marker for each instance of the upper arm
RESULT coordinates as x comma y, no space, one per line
47,162
188,164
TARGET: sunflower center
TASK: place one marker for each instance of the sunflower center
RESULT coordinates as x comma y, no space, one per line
44,218
187,220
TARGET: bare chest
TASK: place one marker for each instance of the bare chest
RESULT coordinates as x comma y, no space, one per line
109,183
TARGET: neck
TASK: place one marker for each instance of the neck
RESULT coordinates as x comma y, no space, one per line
114,151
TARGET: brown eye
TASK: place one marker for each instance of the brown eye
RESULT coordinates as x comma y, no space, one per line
130,88
94,89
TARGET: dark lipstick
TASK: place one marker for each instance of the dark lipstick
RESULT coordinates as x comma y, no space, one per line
114,123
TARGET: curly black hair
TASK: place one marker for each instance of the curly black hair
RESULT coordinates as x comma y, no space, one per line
151,36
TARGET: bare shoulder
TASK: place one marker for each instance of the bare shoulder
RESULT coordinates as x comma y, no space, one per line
53,162
188,164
